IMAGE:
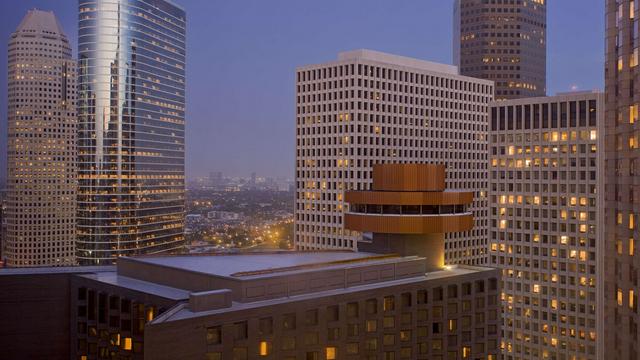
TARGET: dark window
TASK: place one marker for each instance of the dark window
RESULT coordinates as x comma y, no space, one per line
582,113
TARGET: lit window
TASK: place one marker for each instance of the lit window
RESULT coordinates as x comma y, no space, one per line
332,353
127,343
264,348
619,297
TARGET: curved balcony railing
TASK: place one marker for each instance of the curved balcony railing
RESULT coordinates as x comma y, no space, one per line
408,223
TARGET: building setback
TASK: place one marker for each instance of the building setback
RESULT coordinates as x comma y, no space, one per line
368,108
546,198
504,41
40,212
622,182
131,119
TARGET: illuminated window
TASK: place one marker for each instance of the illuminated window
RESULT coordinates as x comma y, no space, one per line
633,114
265,348
405,335
389,303
332,353
372,325
619,297
127,343
214,335
453,325
466,352
631,246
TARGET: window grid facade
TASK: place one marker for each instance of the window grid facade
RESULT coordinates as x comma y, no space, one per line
369,108
504,41
41,199
622,183
545,223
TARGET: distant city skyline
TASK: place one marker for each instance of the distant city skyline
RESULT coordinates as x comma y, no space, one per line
241,87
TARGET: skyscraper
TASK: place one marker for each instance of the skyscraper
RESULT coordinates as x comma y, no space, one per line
622,181
131,121
41,199
545,199
504,41
368,108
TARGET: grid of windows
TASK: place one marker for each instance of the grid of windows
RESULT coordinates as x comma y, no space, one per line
459,320
372,108
41,198
622,190
503,41
545,207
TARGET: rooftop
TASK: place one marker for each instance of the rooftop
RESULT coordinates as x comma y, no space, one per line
364,54
41,22
248,264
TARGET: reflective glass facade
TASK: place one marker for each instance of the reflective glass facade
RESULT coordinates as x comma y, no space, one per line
131,118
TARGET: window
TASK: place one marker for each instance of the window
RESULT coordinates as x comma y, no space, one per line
241,330
311,317
289,321
389,303
264,348
332,353
288,343
213,356
214,335
266,326
240,353
333,313
333,334
352,309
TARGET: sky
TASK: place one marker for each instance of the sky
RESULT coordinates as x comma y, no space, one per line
242,56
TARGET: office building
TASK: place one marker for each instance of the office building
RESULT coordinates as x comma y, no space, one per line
546,233
40,212
131,121
369,107
504,41
292,305
622,181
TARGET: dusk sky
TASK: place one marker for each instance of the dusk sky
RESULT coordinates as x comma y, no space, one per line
242,55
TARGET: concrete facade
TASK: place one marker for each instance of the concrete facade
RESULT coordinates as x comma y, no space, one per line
41,178
368,108
546,223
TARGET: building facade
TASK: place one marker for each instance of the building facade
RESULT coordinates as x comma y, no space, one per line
285,306
40,212
131,123
368,108
622,182
504,41
546,198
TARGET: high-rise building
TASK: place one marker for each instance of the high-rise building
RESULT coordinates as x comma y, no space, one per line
622,181
504,41
368,108
41,184
131,122
546,223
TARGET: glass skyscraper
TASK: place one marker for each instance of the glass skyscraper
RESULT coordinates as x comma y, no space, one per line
131,122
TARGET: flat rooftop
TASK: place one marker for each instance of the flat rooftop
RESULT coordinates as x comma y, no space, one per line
253,264
365,54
